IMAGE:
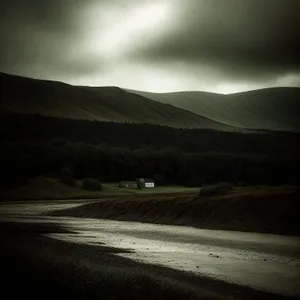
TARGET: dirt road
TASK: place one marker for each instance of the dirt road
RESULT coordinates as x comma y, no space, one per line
264,262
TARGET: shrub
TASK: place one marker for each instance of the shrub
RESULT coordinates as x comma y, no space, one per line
216,189
91,184
66,176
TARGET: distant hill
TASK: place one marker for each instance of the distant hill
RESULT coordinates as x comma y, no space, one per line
51,98
270,109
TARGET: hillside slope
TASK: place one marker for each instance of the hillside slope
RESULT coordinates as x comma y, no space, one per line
32,96
271,109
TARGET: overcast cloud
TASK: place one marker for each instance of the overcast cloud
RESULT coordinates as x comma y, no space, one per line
158,45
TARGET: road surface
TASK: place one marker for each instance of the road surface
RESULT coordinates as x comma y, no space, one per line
265,262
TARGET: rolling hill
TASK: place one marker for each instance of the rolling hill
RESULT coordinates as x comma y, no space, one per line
57,99
270,109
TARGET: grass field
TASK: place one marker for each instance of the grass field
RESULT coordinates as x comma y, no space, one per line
44,188
255,209
34,266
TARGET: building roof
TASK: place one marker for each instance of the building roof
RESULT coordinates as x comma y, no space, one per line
149,180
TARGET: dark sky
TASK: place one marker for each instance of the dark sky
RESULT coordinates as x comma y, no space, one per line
155,45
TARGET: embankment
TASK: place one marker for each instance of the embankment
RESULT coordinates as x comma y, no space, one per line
255,209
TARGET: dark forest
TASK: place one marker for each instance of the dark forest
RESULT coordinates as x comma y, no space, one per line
37,145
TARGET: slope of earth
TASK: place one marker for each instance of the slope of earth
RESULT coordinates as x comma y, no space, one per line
254,209
57,99
269,109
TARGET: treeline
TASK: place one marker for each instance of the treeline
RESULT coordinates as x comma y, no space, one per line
21,127
33,145
20,160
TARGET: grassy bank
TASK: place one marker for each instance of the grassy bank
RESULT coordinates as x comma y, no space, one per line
35,266
47,188
44,188
255,209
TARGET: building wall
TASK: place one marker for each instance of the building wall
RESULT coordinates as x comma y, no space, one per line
135,185
128,185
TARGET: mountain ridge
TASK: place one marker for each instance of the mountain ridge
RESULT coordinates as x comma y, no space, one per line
53,98
276,108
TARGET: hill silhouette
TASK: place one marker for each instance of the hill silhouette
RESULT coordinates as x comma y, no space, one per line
57,99
269,109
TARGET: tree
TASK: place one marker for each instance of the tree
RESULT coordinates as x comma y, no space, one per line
159,179
91,184
66,176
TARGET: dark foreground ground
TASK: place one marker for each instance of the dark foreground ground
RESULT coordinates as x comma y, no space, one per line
35,266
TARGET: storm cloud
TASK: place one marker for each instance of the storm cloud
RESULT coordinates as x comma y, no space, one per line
162,45
246,35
